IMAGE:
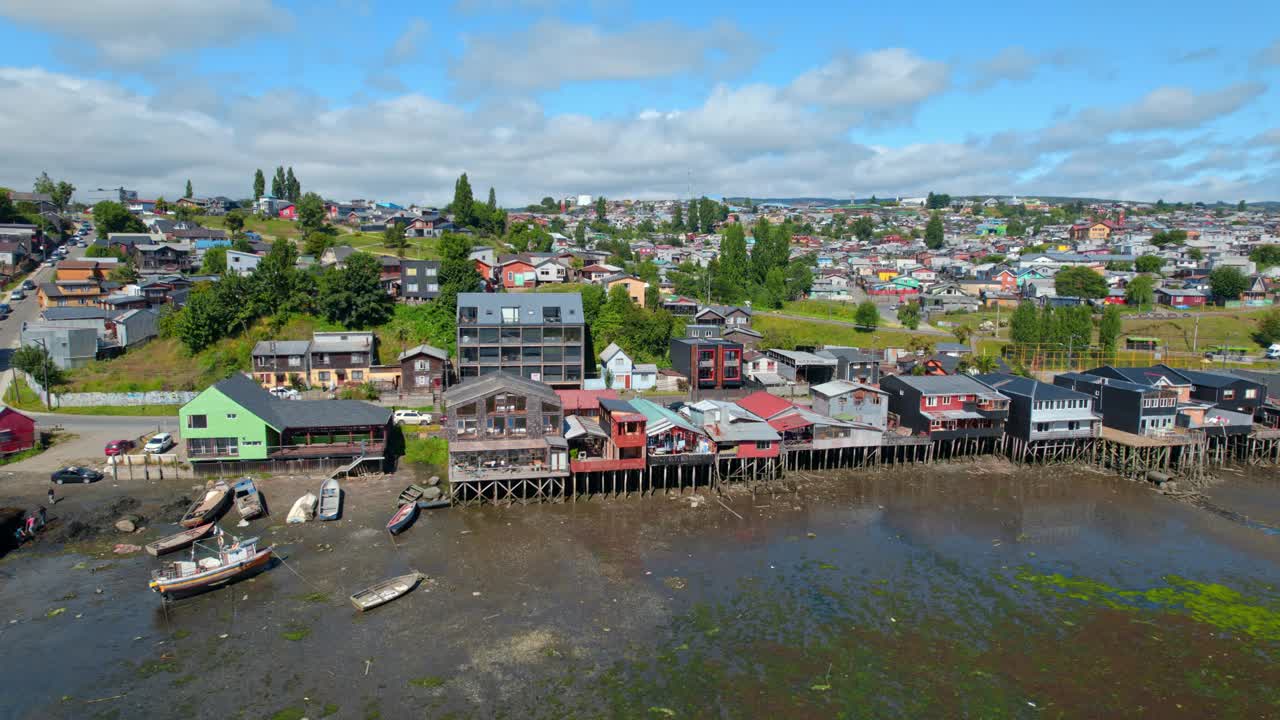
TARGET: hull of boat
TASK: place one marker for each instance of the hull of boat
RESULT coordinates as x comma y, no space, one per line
180,540
403,518
330,500
207,580
207,510
384,592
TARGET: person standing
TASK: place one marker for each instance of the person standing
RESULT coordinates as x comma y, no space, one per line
52,499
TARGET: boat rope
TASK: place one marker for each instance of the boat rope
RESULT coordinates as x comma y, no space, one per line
304,579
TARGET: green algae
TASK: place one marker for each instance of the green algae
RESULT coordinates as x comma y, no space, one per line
289,713
1210,603
430,681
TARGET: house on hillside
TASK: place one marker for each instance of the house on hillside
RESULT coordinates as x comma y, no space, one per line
708,362
423,369
536,335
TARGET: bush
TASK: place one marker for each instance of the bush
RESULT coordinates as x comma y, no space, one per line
427,451
363,391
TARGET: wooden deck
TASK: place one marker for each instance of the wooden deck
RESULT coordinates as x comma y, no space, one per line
1147,441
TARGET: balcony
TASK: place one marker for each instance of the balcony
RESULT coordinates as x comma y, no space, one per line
598,464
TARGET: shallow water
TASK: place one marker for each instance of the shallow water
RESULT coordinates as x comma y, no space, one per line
966,591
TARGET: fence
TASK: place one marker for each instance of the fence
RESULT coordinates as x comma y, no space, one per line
1036,358
115,399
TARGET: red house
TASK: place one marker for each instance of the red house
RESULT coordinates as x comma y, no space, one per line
765,405
289,212
616,442
1180,297
17,431
517,273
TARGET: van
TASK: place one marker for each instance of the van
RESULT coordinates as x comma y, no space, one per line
1273,352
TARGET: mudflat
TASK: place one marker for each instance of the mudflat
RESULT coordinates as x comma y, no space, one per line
962,590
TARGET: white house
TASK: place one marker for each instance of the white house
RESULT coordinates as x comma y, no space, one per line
242,263
622,374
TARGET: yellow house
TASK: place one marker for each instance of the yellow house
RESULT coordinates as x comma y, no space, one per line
886,274
635,286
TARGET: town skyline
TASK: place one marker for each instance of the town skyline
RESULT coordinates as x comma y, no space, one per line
649,102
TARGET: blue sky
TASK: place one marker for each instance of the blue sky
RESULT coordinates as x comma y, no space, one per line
369,98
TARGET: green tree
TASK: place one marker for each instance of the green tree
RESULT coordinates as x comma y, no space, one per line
602,209
259,184
689,279
864,229
1227,283
1015,228
1169,237
112,217
730,283
1140,292
1024,326
1148,264
463,202
393,238
353,296
867,315
580,235
693,221
59,192
203,320
101,251
234,222
1195,253
1268,331
311,214
1109,328
214,261
677,218
457,269
909,315
799,278
1264,256
933,232
775,288
185,213
189,193
1241,206
292,189
1080,282
279,190
493,199
35,361
124,273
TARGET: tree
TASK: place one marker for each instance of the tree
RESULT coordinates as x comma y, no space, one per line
775,288
59,192
311,214
100,251
394,238
694,219
203,320
353,296
35,361
602,209
162,205
457,269
864,229
259,184
214,262
1227,283
279,189
292,189
1195,253
234,222
940,201
463,202
799,278
189,193
1140,292
529,237
1079,282
185,213
493,199
677,218
1241,206
1015,228
933,232
962,333
1109,328
1169,237
1148,264
1268,327
1264,256
909,315
112,217
730,283
1024,326
580,235
867,315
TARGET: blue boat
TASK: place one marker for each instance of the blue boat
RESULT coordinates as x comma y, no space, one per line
330,500
403,518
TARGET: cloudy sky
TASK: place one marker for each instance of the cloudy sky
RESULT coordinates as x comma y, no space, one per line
392,100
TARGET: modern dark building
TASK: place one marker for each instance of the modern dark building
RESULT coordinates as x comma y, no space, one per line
854,365
1041,411
1126,406
538,336
419,280
1225,391
708,362
946,407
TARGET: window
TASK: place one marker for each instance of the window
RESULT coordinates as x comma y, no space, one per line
510,336
573,335
429,271
357,375
945,399
553,354
510,315
358,358
432,287
1228,394
411,272
511,277
763,445
1250,394
488,336
295,361
931,401
550,315
411,287
231,416
421,365
532,336
531,354
553,335
197,422
466,315
323,376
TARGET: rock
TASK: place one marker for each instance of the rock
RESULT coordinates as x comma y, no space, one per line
435,480
432,493
125,548
125,525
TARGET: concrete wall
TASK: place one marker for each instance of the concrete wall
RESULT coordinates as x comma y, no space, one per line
154,397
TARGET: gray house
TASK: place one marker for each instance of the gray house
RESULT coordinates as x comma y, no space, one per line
69,347
1042,411
537,336
855,402
419,280
134,327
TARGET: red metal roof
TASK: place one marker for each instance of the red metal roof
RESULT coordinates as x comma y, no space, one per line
764,404
789,422
577,400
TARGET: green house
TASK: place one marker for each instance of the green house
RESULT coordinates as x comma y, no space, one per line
236,419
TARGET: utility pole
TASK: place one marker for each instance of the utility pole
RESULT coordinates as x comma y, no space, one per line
1195,337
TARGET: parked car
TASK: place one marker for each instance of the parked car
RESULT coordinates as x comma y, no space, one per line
74,474
158,443
17,295
119,447
410,417
284,393
28,285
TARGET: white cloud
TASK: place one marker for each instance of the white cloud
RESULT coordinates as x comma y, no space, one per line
408,44
1012,64
552,53
1268,56
890,82
133,32
1166,108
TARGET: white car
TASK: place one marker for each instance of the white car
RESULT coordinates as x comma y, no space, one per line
411,417
16,295
284,393
159,443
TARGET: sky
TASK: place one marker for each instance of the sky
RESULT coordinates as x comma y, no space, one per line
392,100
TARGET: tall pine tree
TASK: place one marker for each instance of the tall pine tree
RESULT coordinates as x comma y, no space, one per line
463,202
735,268
292,189
259,184
677,218
189,192
278,188
493,199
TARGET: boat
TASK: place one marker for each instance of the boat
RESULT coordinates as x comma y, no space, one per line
386,591
248,499
330,499
180,540
303,510
403,518
433,504
411,494
222,564
208,508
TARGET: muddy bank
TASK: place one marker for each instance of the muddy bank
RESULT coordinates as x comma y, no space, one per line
975,589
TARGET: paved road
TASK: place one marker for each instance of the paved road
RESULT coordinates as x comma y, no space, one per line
23,311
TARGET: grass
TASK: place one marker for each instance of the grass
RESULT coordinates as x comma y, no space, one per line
267,228
789,333
430,681
417,249
1230,328
426,450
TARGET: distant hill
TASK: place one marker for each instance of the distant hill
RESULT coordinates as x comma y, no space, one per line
1055,199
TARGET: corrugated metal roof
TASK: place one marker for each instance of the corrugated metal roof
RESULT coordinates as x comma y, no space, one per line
489,307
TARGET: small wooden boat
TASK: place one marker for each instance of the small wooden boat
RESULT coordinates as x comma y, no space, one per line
248,499
180,540
433,504
224,564
386,591
403,518
330,499
303,510
411,494
208,508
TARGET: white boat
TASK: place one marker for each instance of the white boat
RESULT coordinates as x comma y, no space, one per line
223,564
303,510
386,591
330,499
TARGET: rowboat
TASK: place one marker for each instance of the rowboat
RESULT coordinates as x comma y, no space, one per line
386,591
433,504
208,508
248,499
180,540
403,518
303,510
330,499
411,494
224,564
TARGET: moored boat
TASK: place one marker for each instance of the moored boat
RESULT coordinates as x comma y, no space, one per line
224,563
411,494
303,510
208,508
180,540
403,518
248,499
386,591
330,499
